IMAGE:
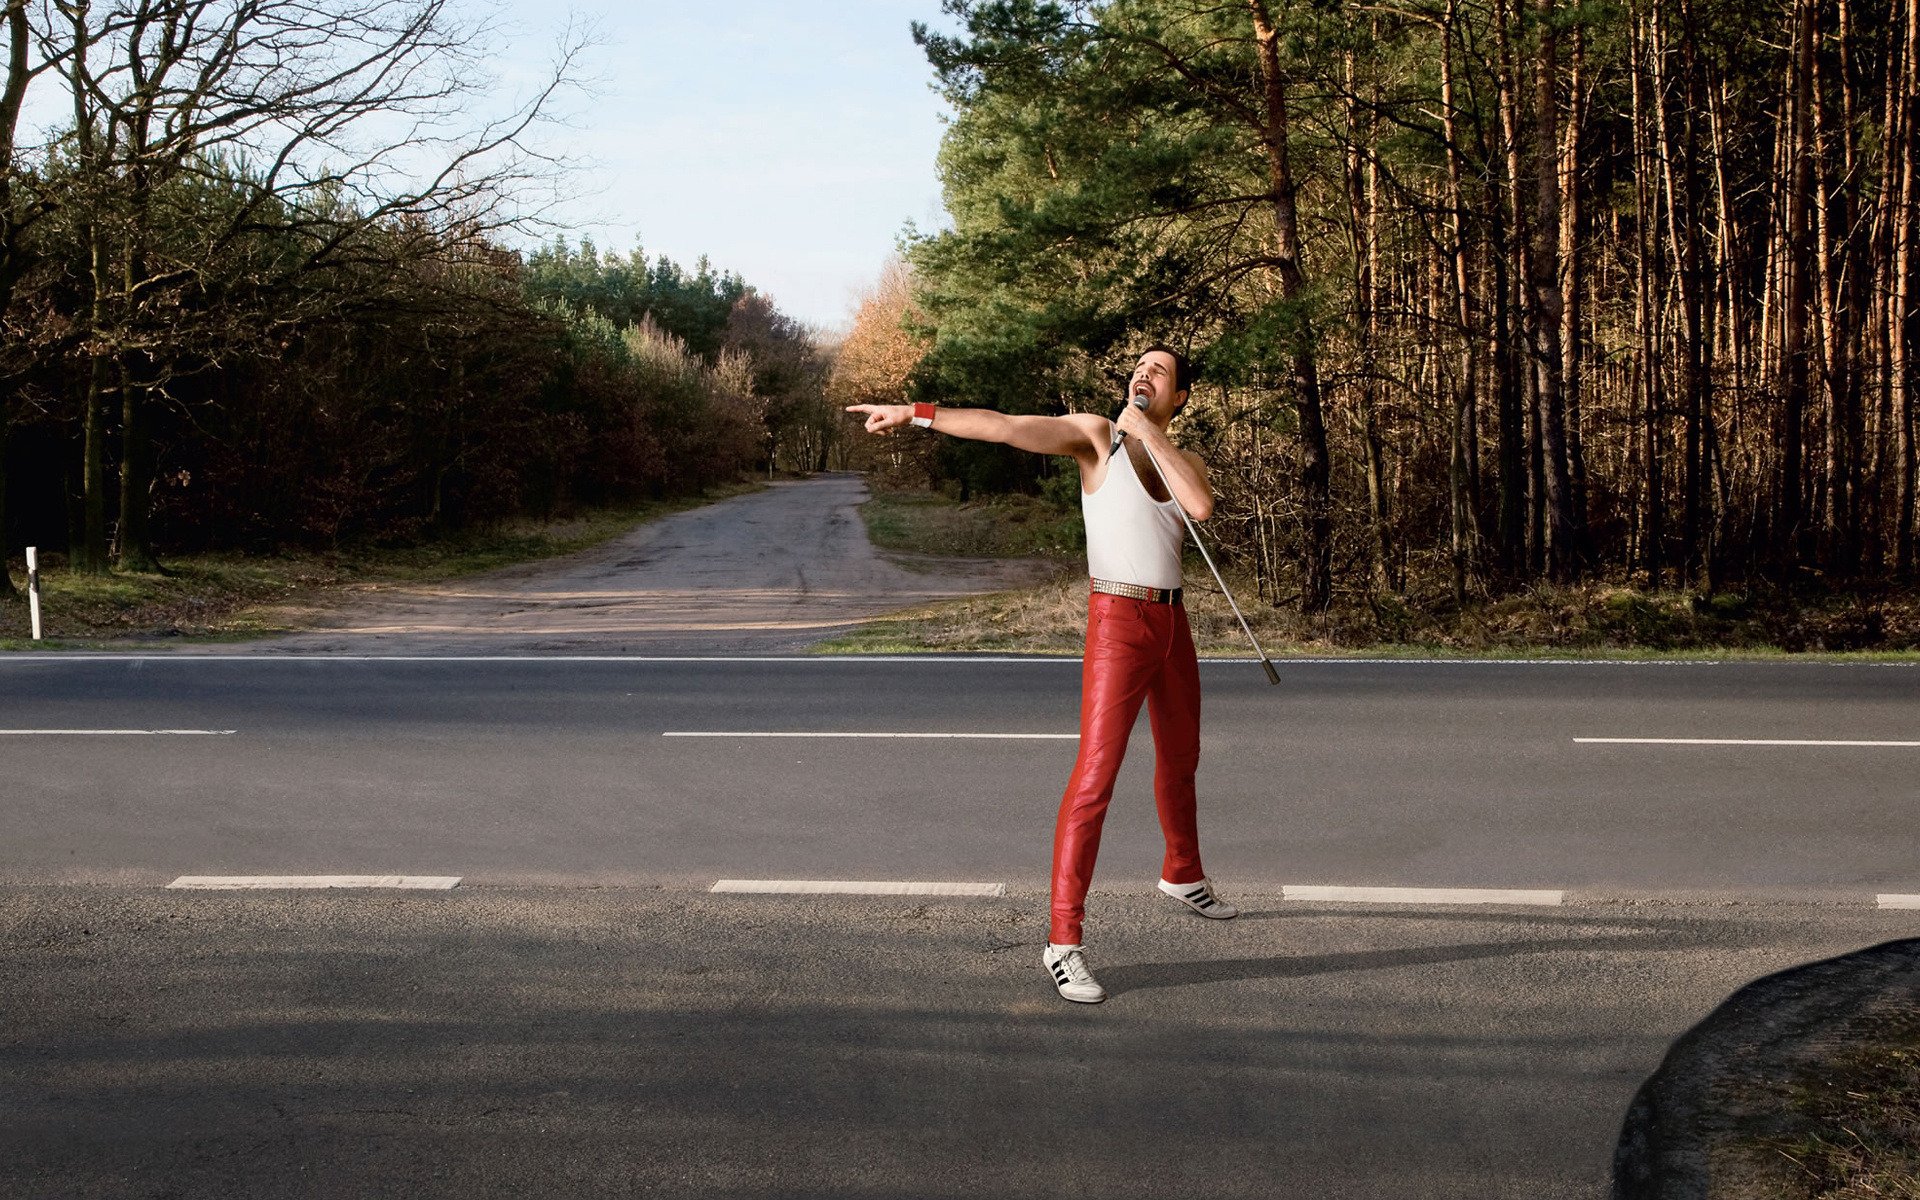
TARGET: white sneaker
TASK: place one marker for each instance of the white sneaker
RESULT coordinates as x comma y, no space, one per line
1068,966
1200,898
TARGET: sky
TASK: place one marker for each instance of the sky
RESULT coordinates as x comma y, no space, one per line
787,140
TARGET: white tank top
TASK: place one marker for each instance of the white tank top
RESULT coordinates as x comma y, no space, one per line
1131,537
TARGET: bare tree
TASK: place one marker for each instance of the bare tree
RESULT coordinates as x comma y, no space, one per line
22,207
341,128
20,72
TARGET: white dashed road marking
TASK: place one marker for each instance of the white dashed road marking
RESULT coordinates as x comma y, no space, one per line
1615,741
229,882
116,732
716,733
1896,900
847,887
1409,895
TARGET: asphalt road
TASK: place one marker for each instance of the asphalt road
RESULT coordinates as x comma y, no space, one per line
540,772
581,1017
637,1042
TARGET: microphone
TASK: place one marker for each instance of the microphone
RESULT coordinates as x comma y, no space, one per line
1139,401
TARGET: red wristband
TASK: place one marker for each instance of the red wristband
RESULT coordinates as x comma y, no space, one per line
923,415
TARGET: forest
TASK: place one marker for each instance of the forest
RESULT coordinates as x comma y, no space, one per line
1483,293
260,290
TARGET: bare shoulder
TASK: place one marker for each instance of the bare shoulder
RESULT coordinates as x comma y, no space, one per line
1200,464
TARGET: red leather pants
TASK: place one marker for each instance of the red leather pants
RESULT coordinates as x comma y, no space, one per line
1136,651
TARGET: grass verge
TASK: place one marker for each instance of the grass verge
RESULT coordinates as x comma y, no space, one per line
231,597
1845,1128
1595,620
999,527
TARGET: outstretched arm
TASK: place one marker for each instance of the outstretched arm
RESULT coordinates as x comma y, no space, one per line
1076,433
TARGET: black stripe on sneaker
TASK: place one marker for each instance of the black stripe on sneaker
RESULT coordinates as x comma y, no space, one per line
1205,902
1196,893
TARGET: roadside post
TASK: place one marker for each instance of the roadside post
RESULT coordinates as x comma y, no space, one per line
33,588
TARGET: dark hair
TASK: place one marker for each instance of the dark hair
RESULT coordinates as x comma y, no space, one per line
1182,369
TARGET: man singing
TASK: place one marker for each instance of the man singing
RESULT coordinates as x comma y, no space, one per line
1138,644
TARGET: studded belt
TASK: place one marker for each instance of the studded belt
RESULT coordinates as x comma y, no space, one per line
1135,591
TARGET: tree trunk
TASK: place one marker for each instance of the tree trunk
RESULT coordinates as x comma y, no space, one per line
1461,467
1852,299
1572,284
1905,264
1546,310
1509,258
1646,370
1789,540
90,555
1363,197
7,590
12,98
1707,530
135,550
1316,473
1683,243
1881,469
1834,324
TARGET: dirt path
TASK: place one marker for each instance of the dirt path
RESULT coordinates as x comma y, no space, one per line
770,572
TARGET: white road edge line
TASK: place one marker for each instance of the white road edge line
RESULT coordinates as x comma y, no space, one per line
1621,741
761,733
1896,900
849,887
1411,895
234,882
116,732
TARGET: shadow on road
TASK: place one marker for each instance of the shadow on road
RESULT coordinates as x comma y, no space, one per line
1139,976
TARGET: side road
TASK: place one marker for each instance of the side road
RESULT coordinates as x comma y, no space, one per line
766,573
